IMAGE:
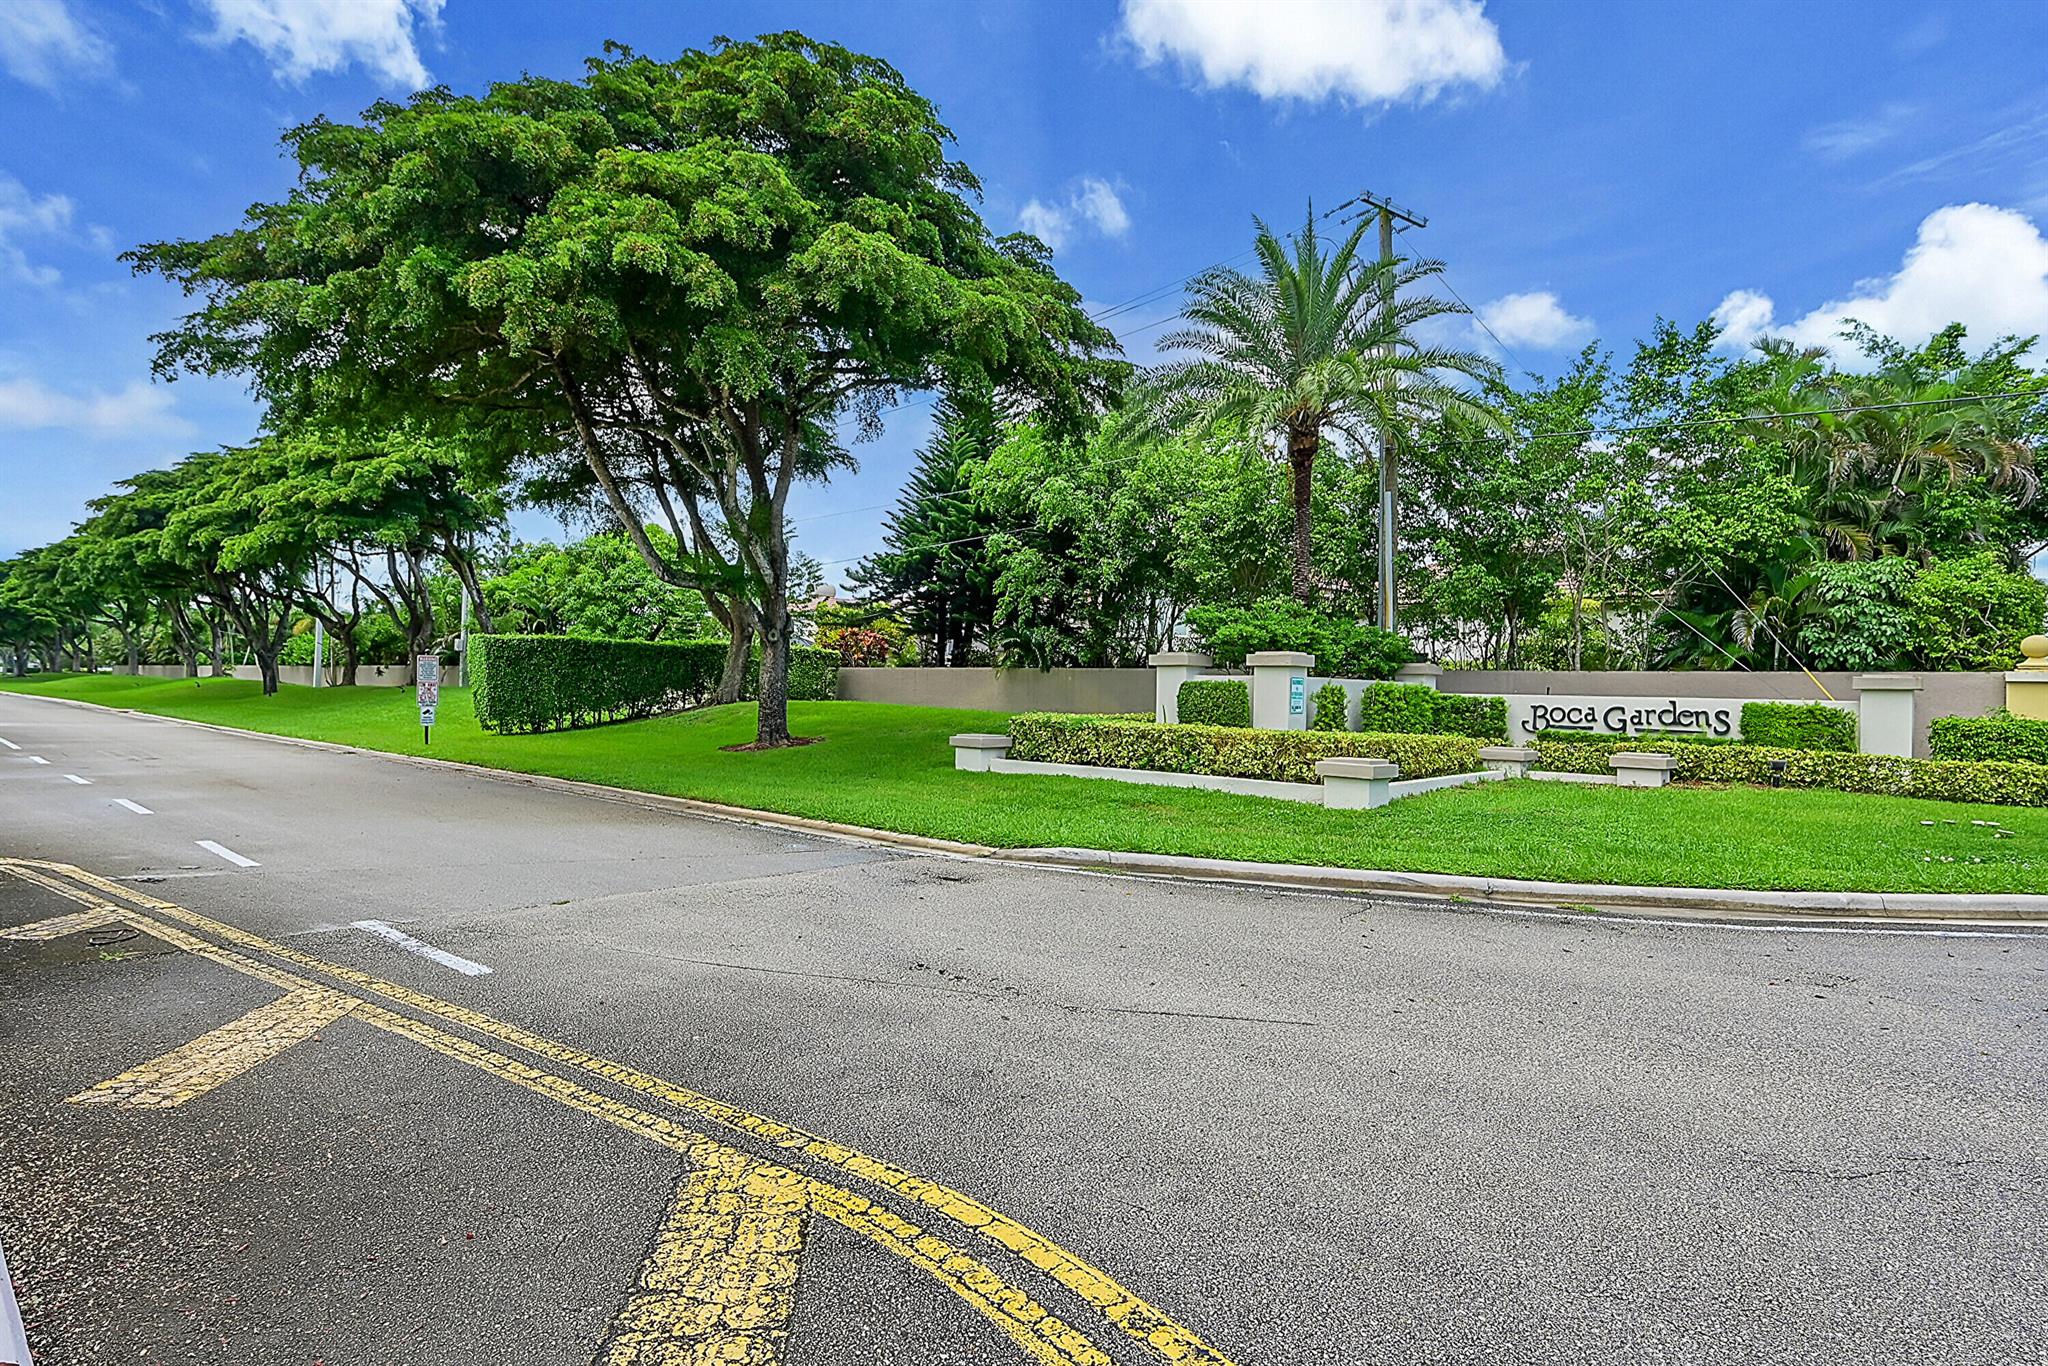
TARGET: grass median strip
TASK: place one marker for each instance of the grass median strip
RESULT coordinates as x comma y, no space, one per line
890,767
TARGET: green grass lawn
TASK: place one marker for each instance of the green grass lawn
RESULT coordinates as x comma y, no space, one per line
890,768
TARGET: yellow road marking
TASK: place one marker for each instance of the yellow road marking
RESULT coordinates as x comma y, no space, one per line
1027,1323
1145,1323
57,926
718,1283
220,1055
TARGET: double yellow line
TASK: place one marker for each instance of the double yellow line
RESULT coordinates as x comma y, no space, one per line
731,1246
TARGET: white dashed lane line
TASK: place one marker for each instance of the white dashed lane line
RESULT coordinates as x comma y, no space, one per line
393,934
74,778
137,807
9,743
230,855
37,759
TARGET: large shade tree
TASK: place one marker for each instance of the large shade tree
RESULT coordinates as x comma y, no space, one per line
1323,341
681,271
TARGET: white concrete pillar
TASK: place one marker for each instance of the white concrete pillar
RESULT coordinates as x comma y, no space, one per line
2026,688
1357,784
1884,713
1642,770
1280,689
1513,761
1170,669
1426,674
971,753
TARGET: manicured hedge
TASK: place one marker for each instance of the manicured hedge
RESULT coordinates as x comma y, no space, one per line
1637,741
1998,737
1885,775
1332,708
1215,702
1421,710
1798,725
537,683
1288,756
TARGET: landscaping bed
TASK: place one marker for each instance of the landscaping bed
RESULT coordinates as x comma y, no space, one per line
889,767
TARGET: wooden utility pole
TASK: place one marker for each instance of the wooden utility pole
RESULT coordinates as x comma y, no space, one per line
1389,213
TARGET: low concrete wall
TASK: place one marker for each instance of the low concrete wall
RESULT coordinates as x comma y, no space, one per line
1075,690
1941,694
367,675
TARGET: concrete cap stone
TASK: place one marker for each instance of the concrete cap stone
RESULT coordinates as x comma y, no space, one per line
1507,754
1659,763
1280,659
1187,659
1422,670
980,742
1885,683
1357,768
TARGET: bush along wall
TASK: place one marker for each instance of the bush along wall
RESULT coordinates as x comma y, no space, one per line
2000,737
537,683
1798,725
1287,756
1331,708
1885,775
1215,702
1420,710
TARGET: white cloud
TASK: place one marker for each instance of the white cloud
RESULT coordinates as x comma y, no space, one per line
1093,203
1851,137
40,40
139,409
305,37
1364,51
1536,319
23,214
1744,316
1977,264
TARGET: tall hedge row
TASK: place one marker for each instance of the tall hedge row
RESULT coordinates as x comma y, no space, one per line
1799,725
1885,775
1420,709
1287,756
2001,736
537,683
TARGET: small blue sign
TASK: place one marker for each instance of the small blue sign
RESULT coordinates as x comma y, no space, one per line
1297,695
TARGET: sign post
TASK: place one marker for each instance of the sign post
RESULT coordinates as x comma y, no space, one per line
426,676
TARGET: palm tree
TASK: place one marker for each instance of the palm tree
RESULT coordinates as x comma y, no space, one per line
1318,341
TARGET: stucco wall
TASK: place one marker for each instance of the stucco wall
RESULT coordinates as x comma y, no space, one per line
1076,690
367,675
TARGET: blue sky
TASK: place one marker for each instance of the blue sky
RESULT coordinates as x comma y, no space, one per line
1584,168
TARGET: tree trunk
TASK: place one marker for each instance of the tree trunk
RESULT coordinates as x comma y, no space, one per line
92,662
219,651
772,725
1301,462
732,680
134,643
351,654
266,664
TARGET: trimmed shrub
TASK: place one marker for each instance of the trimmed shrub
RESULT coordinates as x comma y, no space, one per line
1417,709
1884,775
1799,725
1343,648
1215,702
537,683
1409,708
1638,740
1999,737
1482,718
1288,756
1332,707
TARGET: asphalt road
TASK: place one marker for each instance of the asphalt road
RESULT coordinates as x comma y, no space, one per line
1045,1116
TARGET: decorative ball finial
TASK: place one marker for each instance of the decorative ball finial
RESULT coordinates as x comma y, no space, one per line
2035,648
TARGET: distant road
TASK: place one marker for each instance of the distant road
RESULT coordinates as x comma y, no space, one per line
322,1057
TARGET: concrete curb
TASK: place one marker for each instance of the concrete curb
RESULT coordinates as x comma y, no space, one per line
1922,905
2017,909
